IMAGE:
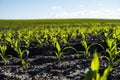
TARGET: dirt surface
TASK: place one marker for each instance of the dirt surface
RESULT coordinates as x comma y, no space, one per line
72,67
46,67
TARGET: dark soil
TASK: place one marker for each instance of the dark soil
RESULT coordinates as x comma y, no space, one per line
44,66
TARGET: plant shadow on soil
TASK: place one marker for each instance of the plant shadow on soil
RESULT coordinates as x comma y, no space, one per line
45,66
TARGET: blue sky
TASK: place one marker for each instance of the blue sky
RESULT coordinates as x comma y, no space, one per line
50,9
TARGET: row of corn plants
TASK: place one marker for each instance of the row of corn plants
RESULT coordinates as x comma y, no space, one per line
59,35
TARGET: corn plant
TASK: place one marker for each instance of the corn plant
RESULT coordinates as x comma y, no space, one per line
112,51
3,46
16,46
59,53
38,38
26,39
87,47
93,72
3,49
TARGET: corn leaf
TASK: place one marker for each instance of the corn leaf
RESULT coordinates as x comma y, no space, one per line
106,73
110,43
95,62
84,43
58,47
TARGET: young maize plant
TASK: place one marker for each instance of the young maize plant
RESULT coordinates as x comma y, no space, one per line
85,45
3,49
15,45
108,34
26,39
112,51
38,38
59,53
3,46
93,72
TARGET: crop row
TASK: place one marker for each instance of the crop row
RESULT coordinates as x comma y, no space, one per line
22,39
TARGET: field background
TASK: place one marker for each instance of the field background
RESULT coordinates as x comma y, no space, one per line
62,21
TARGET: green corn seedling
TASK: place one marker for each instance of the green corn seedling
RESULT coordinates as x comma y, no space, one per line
26,39
112,51
38,38
15,44
3,48
93,72
16,47
85,45
59,52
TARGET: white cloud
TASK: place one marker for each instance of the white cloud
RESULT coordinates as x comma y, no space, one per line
118,9
103,13
56,7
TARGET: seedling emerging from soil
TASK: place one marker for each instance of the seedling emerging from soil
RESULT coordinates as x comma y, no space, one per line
15,45
93,73
59,52
27,41
112,51
3,48
87,47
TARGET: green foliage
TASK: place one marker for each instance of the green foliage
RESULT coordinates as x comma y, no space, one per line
59,53
93,73
60,33
106,73
95,62
3,49
27,39
87,47
16,47
112,51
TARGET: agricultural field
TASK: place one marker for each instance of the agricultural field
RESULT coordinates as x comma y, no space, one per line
60,49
